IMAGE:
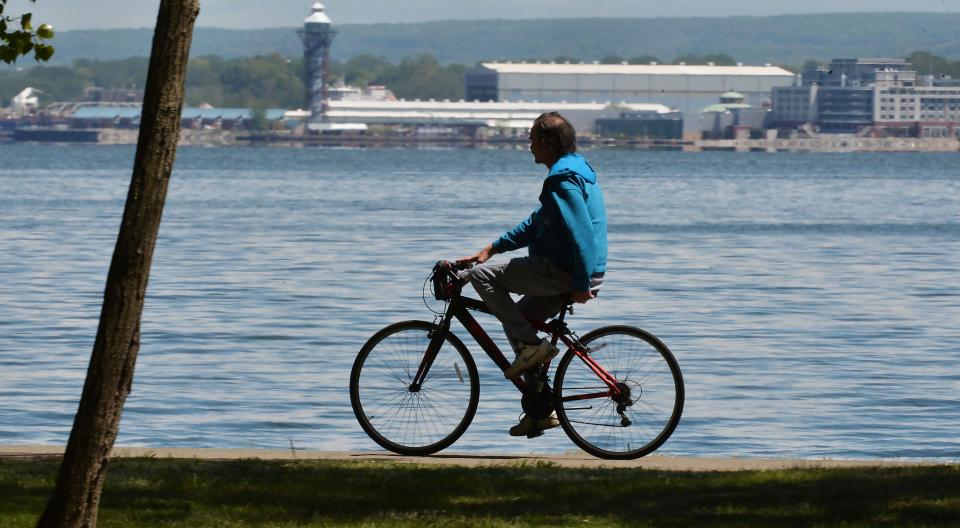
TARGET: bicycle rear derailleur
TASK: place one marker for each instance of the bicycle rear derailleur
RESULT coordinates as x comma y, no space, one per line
623,401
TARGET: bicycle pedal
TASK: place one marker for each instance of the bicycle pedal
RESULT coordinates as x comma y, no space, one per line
534,434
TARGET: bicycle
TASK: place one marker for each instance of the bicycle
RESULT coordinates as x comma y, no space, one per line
414,388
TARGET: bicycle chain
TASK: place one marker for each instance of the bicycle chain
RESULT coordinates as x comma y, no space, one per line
591,423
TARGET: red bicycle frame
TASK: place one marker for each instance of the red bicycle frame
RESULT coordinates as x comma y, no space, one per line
460,307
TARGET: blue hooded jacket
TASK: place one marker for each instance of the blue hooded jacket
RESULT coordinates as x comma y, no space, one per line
570,226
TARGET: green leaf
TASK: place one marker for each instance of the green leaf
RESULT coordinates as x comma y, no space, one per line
42,52
7,54
24,42
45,31
18,41
25,21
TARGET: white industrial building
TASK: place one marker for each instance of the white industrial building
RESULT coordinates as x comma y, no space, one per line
686,88
502,116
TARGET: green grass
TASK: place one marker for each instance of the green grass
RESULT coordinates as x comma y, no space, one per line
192,493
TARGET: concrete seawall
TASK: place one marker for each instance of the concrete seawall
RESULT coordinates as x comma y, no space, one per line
830,144
217,137
573,459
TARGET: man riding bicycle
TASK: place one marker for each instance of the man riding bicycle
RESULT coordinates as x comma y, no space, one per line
566,239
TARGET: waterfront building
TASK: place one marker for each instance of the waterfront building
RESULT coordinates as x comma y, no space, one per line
731,117
25,102
372,92
685,88
355,114
100,116
513,117
846,91
928,107
846,109
794,106
641,125
879,97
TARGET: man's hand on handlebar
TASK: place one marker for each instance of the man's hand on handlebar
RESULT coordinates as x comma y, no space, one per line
482,256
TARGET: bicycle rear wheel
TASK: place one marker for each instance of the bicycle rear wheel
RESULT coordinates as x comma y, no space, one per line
406,420
650,382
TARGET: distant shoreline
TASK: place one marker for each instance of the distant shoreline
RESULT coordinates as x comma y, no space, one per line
213,138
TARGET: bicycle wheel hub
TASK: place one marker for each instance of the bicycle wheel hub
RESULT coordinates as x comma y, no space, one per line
624,397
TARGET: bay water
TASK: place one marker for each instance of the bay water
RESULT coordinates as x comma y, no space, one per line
812,300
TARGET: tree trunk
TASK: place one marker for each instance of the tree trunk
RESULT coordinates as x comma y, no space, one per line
76,498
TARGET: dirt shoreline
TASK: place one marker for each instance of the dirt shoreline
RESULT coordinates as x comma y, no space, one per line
668,463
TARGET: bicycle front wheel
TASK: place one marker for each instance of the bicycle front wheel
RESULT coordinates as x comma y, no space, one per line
650,400
406,419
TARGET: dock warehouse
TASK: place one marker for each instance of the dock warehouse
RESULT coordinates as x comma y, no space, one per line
685,88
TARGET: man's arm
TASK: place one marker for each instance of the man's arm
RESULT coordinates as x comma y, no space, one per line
516,238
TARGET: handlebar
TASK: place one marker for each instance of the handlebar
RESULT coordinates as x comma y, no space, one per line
446,279
458,266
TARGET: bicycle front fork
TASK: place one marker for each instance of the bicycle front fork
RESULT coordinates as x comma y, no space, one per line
436,341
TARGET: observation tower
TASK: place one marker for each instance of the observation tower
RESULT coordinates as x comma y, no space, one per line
317,37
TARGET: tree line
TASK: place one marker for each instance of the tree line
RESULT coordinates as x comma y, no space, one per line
276,81
272,81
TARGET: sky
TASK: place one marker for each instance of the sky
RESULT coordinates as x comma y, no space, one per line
243,14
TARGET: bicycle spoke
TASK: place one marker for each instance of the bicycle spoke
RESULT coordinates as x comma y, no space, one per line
406,419
650,395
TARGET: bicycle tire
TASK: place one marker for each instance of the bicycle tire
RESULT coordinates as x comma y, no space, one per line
413,422
642,363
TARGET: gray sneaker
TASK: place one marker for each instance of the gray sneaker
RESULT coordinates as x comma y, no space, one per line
528,426
529,356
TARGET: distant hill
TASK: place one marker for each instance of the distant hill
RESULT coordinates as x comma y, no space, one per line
789,40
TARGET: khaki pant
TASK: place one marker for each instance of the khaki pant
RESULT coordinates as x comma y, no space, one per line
545,289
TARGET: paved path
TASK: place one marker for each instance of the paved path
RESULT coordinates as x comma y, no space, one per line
471,459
